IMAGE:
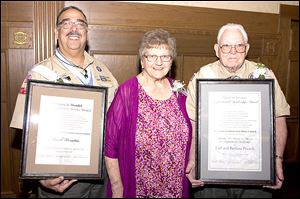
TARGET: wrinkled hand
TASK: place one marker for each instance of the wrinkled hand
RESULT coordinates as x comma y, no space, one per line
57,184
190,174
279,176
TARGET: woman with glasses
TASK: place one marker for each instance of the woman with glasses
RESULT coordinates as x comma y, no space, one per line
148,131
231,49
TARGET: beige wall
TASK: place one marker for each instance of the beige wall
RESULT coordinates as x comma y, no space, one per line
255,6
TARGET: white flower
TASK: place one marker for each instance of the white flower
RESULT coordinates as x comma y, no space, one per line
178,87
260,72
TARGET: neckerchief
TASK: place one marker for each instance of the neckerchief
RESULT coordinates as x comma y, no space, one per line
87,80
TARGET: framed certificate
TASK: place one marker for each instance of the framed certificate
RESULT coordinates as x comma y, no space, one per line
235,139
63,131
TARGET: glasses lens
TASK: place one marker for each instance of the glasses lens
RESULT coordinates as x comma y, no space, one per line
225,48
240,48
165,58
67,24
153,58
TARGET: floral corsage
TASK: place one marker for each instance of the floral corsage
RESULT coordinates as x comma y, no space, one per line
178,87
260,72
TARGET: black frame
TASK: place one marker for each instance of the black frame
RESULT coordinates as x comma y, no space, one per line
93,168
214,169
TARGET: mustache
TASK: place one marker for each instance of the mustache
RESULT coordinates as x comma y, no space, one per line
73,33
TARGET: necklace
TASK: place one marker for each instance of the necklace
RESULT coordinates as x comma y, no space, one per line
83,70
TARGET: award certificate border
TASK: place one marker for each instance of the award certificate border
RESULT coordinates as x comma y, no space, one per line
235,132
87,136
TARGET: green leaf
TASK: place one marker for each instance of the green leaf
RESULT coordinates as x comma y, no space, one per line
59,80
261,77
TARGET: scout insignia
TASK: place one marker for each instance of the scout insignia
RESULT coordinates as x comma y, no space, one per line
98,68
104,78
23,88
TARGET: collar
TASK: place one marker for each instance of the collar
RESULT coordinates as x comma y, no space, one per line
83,74
240,72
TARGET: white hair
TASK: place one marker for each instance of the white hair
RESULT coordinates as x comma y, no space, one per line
232,26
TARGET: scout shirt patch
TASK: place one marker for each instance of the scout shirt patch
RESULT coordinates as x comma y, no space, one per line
104,78
24,84
98,68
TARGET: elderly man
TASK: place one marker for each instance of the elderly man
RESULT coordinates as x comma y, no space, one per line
231,49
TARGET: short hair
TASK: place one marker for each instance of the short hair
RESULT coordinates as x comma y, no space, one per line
68,8
154,39
232,26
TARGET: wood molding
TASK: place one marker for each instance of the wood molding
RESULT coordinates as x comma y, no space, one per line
167,16
45,13
289,11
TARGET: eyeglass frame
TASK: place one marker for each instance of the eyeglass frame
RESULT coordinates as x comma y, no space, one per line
235,47
77,24
156,58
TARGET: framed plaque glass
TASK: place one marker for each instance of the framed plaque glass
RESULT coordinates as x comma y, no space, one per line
63,131
235,139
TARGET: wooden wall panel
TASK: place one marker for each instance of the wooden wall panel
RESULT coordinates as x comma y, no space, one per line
122,67
6,163
45,13
19,61
4,11
4,35
4,77
182,17
293,97
289,62
108,39
293,74
292,147
5,137
193,63
21,11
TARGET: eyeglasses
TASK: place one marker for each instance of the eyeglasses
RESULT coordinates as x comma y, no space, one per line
163,58
67,24
240,48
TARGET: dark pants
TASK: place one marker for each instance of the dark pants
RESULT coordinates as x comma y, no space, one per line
231,192
79,189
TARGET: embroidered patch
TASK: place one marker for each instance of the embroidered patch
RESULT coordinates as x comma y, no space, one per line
98,68
23,88
104,78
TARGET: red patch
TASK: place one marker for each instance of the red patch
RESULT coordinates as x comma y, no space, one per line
22,91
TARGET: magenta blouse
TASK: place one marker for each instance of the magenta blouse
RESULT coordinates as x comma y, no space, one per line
121,126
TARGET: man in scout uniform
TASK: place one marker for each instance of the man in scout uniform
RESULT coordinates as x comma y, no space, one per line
70,64
231,49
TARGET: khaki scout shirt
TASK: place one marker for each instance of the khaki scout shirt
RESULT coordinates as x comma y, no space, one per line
101,77
216,70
